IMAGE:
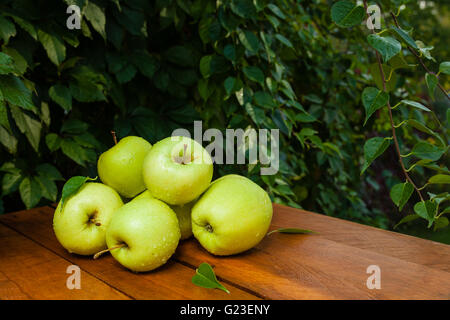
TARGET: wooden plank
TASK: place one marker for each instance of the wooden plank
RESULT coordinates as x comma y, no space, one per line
29,271
428,253
311,267
172,281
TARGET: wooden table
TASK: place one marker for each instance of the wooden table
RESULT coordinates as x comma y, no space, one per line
329,265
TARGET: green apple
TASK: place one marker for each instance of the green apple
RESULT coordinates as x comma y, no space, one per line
232,216
183,213
143,234
177,170
121,166
80,225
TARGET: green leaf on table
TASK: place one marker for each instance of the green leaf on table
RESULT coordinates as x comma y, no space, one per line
373,99
6,64
205,277
292,231
72,186
346,14
30,192
373,148
15,92
406,37
415,104
54,46
444,67
431,81
400,194
427,210
96,16
408,218
439,179
425,150
386,46
254,74
61,95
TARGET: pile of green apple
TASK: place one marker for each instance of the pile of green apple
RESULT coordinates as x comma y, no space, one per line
168,196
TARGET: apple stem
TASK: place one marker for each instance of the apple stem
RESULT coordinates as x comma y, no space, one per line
98,254
114,136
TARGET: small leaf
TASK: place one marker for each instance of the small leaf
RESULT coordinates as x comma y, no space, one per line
346,14
373,148
408,218
427,210
425,150
431,81
254,74
276,11
444,67
400,194
439,178
373,99
292,231
415,105
53,45
53,141
406,37
15,92
386,46
6,64
440,223
205,277
72,186
30,192
61,95
96,16
425,51
249,40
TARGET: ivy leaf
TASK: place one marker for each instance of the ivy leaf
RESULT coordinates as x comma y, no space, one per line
96,16
408,218
400,194
30,192
48,188
7,29
425,51
249,40
53,141
439,178
373,99
415,104
373,148
8,140
6,64
425,150
15,92
74,151
444,67
254,74
440,223
54,46
427,210
346,14
61,95
205,277
28,126
386,46
406,37
292,231
72,186
431,81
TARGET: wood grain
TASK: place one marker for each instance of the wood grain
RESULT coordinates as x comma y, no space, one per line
428,253
330,265
29,271
172,281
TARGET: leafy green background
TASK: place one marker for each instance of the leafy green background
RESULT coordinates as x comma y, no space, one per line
148,67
